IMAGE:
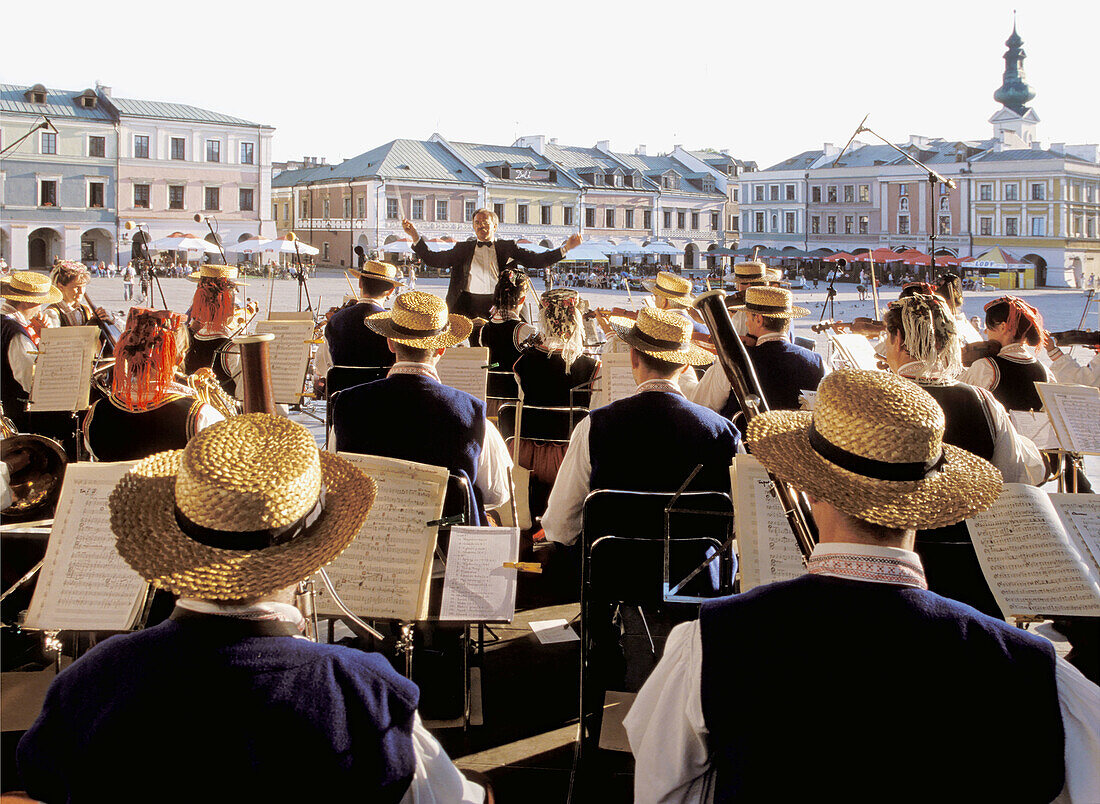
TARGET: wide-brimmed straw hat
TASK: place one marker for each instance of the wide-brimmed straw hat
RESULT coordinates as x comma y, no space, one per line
663,334
772,302
752,269
671,286
873,448
215,271
420,320
249,507
376,269
27,286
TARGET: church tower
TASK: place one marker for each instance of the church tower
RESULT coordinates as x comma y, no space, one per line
1015,123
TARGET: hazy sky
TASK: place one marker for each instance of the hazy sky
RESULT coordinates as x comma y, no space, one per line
765,80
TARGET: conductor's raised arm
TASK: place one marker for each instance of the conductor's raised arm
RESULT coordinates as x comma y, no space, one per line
410,229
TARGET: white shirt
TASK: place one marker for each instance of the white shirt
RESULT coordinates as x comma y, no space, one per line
984,374
1015,455
714,389
21,351
484,270
1068,370
668,733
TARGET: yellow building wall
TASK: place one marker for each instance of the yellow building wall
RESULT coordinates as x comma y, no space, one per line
534,199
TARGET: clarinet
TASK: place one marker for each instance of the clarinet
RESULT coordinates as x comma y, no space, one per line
745,385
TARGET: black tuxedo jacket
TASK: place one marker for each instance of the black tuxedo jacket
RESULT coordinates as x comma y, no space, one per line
458,259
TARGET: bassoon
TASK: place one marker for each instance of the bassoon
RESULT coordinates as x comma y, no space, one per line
745,385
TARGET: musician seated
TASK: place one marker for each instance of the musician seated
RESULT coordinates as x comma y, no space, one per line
784,369
1011,374
924,346
1068,370
673,292
650,441
226,701
71,278
212,324
147,409
752,273
24,294
411,415
504,334
347,341
724,711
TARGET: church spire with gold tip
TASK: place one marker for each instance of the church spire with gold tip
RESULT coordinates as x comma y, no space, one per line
1014,92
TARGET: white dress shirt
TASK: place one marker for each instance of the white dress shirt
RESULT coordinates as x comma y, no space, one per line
1068,370
484,270
984,374
21,351
668,733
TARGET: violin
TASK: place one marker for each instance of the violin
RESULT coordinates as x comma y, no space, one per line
1077,337
868,327
242,317
602,314
973,352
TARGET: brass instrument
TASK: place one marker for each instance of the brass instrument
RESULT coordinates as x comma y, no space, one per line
36,467
745,385
207,389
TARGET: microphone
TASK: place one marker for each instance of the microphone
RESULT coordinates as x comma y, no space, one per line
198,218
291,237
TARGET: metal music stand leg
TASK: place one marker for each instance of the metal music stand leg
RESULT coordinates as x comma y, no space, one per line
467,696
405,645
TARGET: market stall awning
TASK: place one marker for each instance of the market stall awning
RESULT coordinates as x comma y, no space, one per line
996,259
660,247
840,255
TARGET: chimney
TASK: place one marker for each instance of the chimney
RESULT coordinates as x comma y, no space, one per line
103,89
553,140
640,151
1058,147
725,152
830,149
603,145
537,143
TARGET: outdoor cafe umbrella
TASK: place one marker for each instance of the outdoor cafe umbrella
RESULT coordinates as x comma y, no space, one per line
841,255
585,252
995,259
397,247
250,245
178,241
628,247
660,247
280,245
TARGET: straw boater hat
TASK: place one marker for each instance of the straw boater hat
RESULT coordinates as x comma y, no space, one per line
772,302
420,320
672,287
27,286
663,334
753,269
249,507
214,271
375,269
873,448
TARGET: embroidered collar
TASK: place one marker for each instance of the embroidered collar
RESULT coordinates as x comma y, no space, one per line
9,310
419,369
1017,353
281,612
865,562
771,336
914,370
667,386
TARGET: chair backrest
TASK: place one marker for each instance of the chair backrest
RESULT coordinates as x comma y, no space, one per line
501,385
341,377
548,423
623,542
805,343
506,419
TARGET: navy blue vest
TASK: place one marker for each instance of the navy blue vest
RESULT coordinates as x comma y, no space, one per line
1015,388
116,434
785,370
12,394
651,441
413,418
204,353
500,338
353,343
825,689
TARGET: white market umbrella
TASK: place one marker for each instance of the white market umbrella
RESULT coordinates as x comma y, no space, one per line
530,246
184,242
251,245
397,247
280,245
585,252
605,246
658,247
628,247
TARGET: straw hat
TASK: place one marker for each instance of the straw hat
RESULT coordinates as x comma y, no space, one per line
671,286
663,334
420,320
375,269
262,508
753,269
772,302
774,274
213,271
27,286
873,448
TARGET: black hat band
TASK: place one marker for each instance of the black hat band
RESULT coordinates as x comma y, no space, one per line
767,309
869,467
657,344
418,333
252,539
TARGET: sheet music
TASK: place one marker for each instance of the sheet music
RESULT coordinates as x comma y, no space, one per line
1075,412
856,350
289,356
1035,425
84,584
477,588
63,369
967,333
766,547
1029,560
1080,514
465,370
616,380
385,572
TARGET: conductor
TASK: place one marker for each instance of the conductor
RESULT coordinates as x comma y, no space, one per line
475,264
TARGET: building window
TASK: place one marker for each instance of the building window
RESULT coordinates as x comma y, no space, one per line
212,198
324,251
141,196
985,192
609,218
694,220
864,193
666,217
546,214
248,153
175,197
735,223
95,195
788,220
903,224
681,219
286,211
141,146
391,209
1088,193
759,196
903,189
590,217
736,194
830,194
945,224
304,212
815,195
1012,192
789,194
830,224
1038,192
714,221
1078,227
442,210
274,212
499,210
213,151
468,210
347,208
759,222
178,148
567,215
417,209
815,224
775,222
903,205
1010,227
521,213
97,146
1038,227
864,224
628,218
245,199
773,192
849,223
361,207
325,207
47,194
849,194
985,227
1091,223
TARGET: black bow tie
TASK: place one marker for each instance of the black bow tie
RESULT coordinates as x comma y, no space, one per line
481,243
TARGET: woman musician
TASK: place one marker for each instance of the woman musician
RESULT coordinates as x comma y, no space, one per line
505,334
214,320
1011,374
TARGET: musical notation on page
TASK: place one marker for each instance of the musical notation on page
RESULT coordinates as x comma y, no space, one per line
63,370
464,369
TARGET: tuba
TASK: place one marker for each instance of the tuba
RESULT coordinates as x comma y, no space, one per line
36,467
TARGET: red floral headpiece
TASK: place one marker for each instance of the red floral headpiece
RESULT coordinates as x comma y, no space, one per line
1017,309
145,357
